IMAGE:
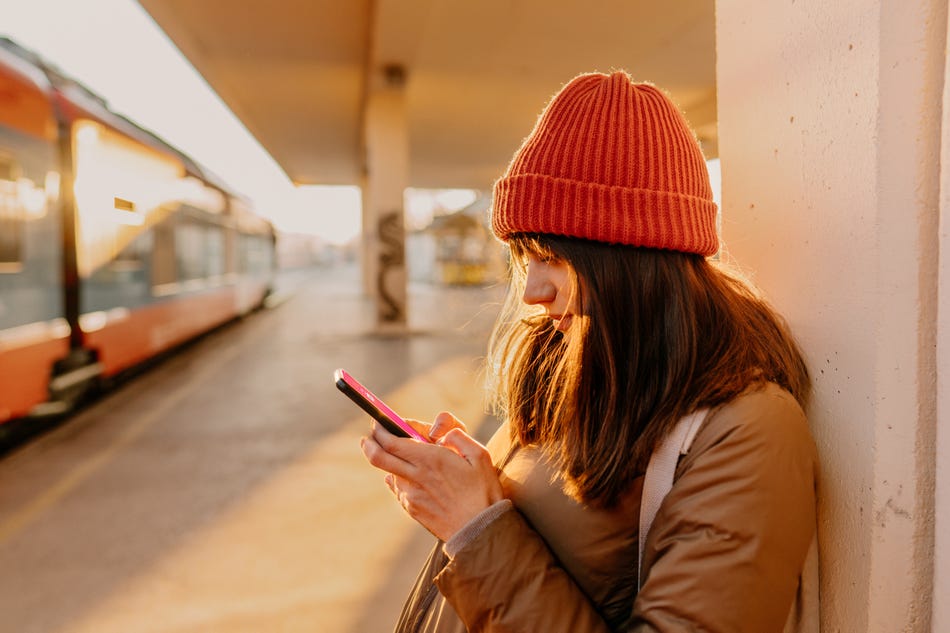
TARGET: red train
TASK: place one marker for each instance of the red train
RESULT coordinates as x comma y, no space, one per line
114,246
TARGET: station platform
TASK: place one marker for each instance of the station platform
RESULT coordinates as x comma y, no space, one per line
224,489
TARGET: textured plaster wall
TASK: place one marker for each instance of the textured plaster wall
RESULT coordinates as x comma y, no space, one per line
941,607
829,127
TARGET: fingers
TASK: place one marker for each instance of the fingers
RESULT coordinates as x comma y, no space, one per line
402,490
385,459
403,457
445,422
443,485
466,446
400,446
423,428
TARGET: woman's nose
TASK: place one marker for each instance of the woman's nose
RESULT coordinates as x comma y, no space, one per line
538,287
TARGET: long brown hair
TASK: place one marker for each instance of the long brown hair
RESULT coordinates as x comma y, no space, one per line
662,334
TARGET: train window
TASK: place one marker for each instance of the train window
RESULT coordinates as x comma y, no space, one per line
11,217
214,252
256,254
199,251
164,272
7,169
190,251
132,256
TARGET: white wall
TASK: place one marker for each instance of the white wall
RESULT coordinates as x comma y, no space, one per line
829,127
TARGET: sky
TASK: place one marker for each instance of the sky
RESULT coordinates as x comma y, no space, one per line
115,49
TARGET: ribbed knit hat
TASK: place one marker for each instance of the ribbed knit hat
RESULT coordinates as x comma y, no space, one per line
612,161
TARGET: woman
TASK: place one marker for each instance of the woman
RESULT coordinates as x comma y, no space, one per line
616,328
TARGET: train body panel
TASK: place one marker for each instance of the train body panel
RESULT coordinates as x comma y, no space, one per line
33,332
27,354
114,245
124,337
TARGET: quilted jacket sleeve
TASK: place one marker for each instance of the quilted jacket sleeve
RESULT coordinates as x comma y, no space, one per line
507,581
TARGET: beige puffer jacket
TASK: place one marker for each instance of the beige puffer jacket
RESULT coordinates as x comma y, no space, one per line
725,553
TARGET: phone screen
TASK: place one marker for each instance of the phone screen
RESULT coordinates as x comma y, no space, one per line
374,406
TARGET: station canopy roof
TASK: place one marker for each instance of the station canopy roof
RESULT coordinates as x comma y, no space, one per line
477,72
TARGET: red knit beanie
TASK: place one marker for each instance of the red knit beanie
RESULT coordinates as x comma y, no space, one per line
612,161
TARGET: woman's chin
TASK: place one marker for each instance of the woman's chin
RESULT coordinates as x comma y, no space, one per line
563,324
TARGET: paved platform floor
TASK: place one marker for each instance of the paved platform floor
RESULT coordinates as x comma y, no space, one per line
224,490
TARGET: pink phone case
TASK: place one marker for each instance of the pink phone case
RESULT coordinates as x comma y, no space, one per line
374,406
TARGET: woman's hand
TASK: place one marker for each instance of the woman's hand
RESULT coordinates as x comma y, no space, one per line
441,485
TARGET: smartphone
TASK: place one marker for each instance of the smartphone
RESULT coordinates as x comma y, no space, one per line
374,406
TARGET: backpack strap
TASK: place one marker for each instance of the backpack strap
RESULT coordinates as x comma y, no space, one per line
658,480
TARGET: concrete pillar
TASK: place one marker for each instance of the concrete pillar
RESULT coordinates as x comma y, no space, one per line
386,177
829,139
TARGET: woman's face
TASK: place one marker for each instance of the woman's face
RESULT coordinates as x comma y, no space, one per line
550,284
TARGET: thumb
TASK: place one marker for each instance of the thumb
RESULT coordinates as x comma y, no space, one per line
465,445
